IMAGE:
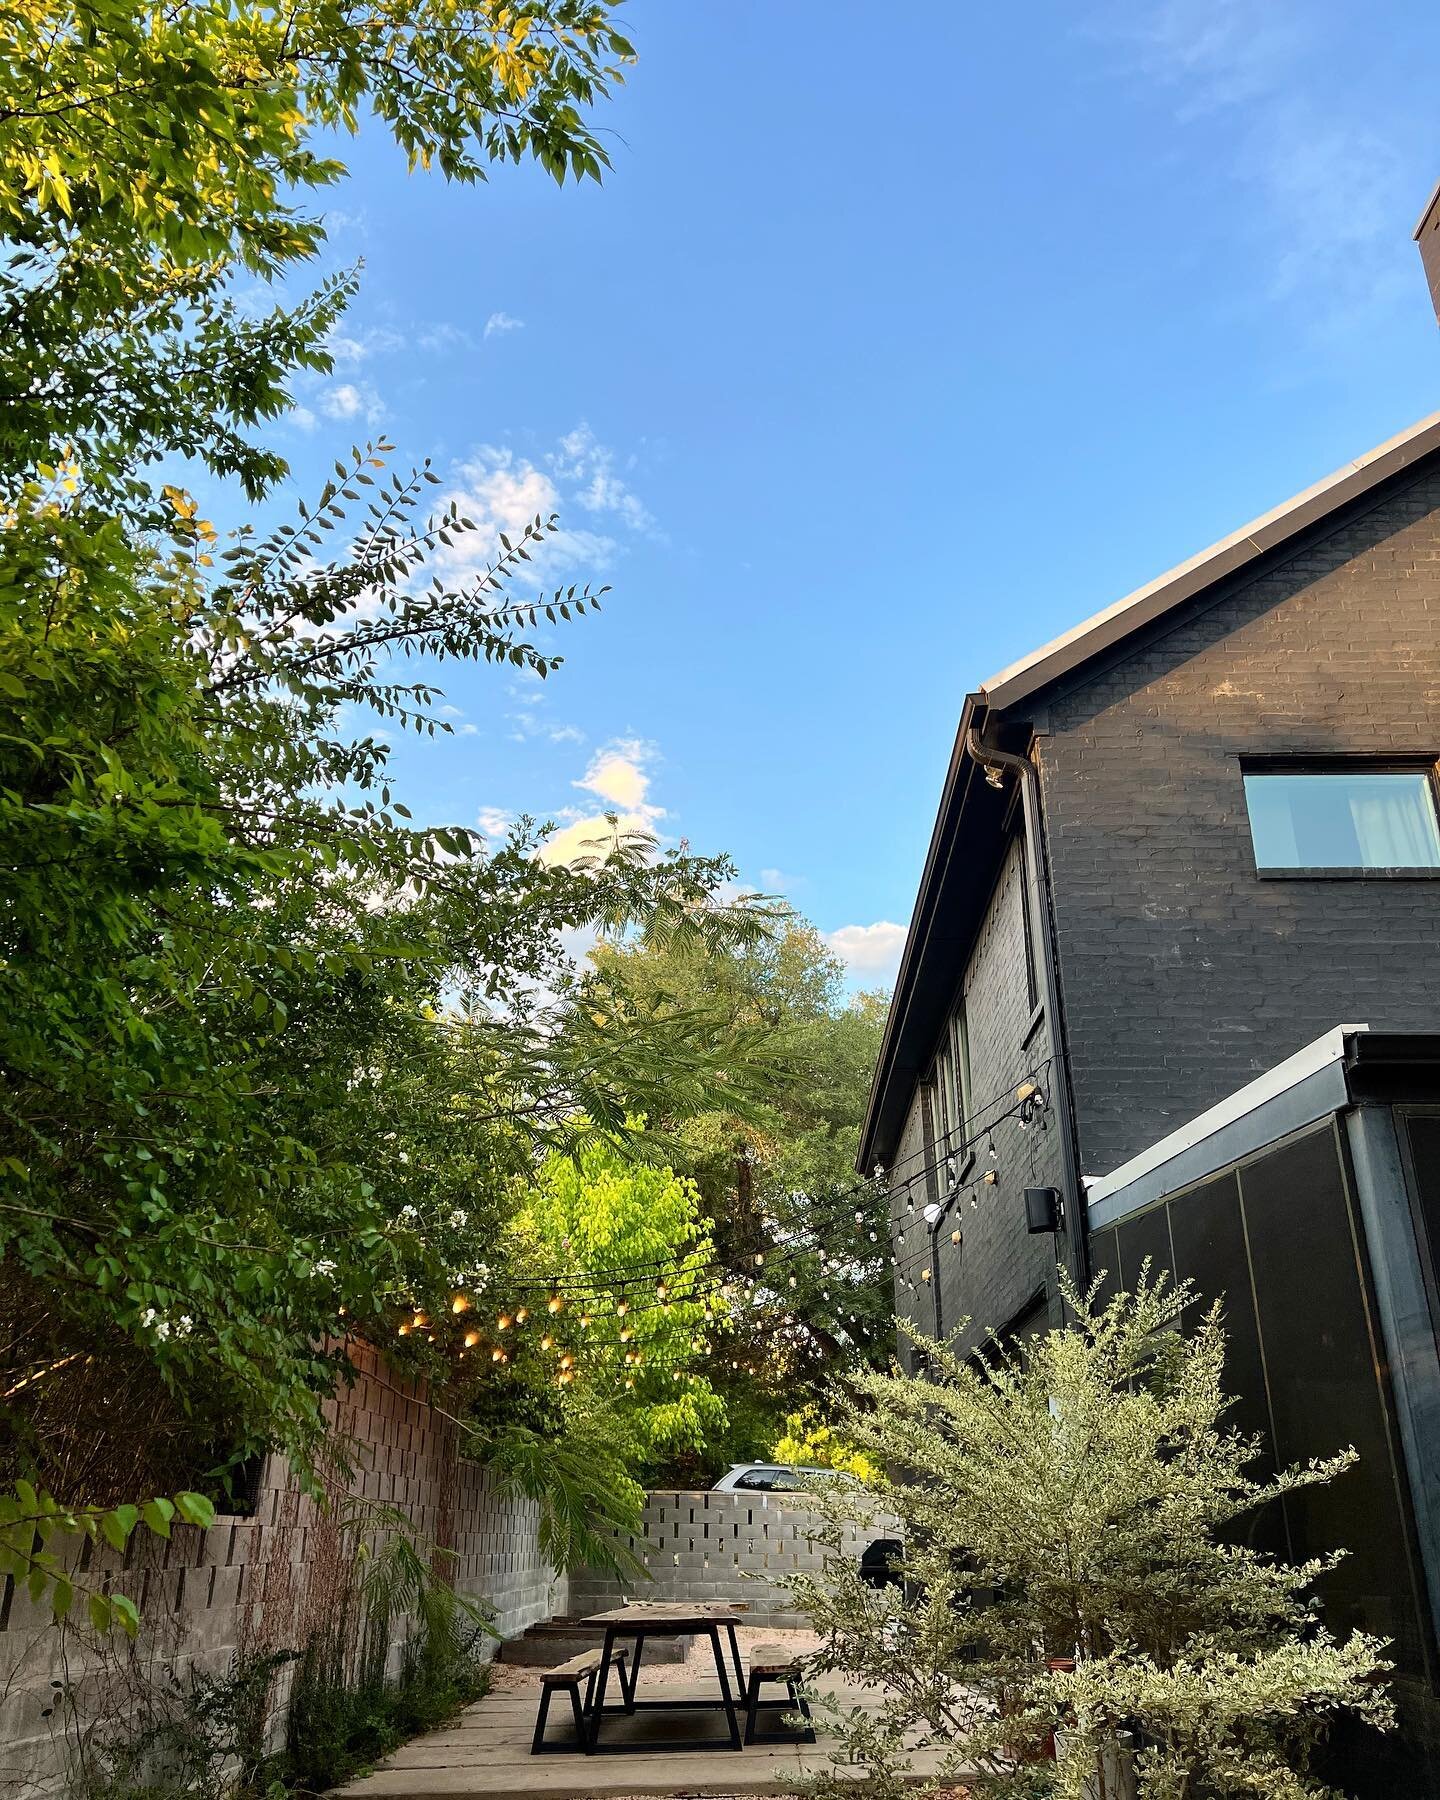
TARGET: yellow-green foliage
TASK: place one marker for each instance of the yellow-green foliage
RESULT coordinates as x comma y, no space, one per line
604,1211
809,1442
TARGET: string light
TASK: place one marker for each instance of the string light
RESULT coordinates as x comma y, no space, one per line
472,1338
1030,1099
522,1313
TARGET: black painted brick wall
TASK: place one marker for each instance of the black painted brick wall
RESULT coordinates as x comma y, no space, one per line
1184,975
997,1267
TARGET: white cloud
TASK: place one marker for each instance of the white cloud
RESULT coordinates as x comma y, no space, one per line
499,491
502,321
619,774
494,821
302,418
869,949
350,348
583,459
346,400
444,336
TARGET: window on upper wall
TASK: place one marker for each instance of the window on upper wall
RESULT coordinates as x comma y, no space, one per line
1032,983
960,1062
1351,820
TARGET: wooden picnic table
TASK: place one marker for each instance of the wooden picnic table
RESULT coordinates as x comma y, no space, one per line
670,1618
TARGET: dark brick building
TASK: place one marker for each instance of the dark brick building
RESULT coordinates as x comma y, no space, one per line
1176,847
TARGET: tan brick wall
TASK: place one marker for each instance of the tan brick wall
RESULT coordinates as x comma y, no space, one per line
265,1581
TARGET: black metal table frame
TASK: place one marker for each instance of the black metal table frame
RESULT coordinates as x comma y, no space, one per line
728,1703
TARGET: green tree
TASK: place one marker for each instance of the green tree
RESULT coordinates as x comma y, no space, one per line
148,153
777,1177
1073,1573
270,1050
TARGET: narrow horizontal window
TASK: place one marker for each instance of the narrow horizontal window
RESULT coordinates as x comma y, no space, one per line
1346,821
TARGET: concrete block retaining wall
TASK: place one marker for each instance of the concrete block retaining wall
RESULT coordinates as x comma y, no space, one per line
723,1546
263,1582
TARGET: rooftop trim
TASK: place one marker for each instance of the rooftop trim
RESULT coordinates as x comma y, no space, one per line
1066,652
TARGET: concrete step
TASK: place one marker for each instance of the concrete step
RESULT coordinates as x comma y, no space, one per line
557,1640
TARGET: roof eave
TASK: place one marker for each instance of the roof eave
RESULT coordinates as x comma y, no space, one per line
951,801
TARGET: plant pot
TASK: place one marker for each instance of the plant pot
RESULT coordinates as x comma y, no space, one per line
1114,1777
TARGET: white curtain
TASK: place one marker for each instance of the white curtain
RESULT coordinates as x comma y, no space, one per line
1396,830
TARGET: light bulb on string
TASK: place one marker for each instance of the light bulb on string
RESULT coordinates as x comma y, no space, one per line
472,1338
522,1313
555,1303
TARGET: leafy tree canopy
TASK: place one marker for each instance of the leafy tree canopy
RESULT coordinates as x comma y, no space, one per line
778,1179
148,152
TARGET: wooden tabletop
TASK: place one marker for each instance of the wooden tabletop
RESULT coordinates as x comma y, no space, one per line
676,1614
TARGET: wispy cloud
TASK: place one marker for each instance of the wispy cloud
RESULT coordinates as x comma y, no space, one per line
502,490
1331,187
590,467
350,348
501,322
443,336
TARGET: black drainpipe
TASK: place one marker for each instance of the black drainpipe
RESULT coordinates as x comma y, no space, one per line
1038,856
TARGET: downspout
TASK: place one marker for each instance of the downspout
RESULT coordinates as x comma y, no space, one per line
1038,857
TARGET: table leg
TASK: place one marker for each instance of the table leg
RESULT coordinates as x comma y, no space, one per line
726,1698
735,1652
634,1672
597,1711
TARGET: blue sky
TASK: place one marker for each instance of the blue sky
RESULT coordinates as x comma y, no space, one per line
897,341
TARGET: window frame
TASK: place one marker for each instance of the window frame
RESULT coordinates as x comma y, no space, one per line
1394,763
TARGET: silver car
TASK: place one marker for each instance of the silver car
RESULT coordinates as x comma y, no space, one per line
774,1478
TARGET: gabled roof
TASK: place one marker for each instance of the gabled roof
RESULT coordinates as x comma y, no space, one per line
968,835
1185,580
